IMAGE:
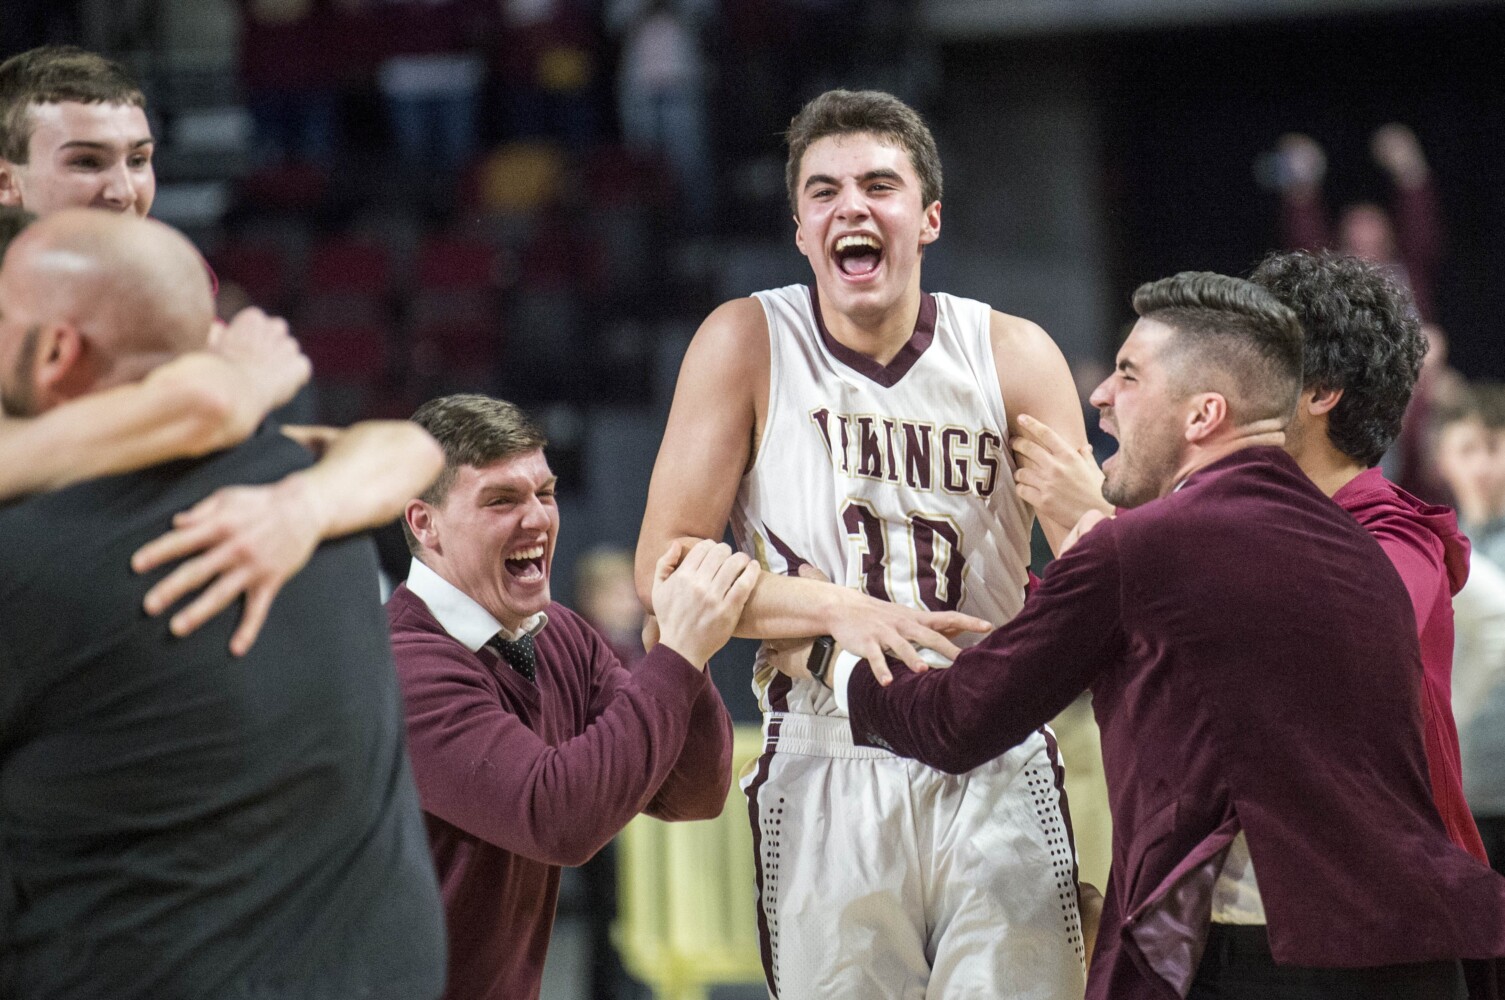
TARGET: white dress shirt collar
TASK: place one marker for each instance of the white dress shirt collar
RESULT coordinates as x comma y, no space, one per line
459,614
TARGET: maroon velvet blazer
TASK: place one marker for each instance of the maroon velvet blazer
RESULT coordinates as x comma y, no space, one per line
1253,659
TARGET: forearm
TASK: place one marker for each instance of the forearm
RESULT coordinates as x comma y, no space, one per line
697,786
190,406
1017,679
555,803
367,475
942,718
786,607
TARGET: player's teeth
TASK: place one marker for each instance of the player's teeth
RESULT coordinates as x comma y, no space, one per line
856,241
524,554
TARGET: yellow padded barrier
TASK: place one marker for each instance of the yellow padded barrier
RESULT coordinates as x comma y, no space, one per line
686,896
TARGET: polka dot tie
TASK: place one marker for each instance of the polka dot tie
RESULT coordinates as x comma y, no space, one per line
517,652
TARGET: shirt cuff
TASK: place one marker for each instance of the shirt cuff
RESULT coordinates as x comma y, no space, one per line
841,673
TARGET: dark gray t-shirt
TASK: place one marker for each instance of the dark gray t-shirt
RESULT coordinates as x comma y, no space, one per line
179,823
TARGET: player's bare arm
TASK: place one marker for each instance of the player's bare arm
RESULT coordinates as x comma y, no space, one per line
247,541
1036,382
714,427
193,405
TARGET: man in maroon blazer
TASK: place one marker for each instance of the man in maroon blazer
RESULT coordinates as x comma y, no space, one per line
1254,667
532,746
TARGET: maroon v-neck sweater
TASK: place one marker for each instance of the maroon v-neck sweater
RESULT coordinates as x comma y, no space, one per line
517,779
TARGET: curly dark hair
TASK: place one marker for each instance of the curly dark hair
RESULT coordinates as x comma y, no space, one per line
1362,336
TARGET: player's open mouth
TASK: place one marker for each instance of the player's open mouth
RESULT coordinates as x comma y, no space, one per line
858,256
526,565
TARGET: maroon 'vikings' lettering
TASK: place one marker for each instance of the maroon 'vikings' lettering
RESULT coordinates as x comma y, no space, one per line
968,461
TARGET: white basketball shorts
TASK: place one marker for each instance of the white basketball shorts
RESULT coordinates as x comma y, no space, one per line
879,877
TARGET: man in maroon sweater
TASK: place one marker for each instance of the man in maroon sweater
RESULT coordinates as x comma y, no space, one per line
1253,664
1362,356
532,746
1364,348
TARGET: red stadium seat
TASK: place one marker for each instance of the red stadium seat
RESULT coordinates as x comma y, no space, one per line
350,265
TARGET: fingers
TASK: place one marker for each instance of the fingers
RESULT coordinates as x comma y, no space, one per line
729,572
951,623
1028,452
701,551
1035,432
214,599
933,640
877,662
669,561
742,588
183,540
258,604
187,577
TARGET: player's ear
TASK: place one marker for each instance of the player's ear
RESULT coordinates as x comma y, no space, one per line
799,236
10,184
931,230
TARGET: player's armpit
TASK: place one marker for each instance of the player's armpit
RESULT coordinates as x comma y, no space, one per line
1060,482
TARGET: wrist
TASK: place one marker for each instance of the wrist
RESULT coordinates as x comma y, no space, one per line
300,490
818,663
687,651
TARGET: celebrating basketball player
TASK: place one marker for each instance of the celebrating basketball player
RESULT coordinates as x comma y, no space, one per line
856,431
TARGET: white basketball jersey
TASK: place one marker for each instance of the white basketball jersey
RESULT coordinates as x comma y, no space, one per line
894,479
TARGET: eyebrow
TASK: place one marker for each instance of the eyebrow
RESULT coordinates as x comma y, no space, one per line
1126,365
871,175
515,489
92,144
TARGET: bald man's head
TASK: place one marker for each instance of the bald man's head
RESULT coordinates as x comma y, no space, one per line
89,300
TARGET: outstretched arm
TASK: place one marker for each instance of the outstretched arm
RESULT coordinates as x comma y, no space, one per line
249,540
194,404
708,444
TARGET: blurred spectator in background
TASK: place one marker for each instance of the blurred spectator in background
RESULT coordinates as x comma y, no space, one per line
295,56
661,97
430,80
608,599
545,62
1464,461
1470,457
1439,388
1409,245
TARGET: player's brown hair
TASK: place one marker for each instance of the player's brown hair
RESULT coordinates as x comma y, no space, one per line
1233,337
54,74
473,430
846,112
